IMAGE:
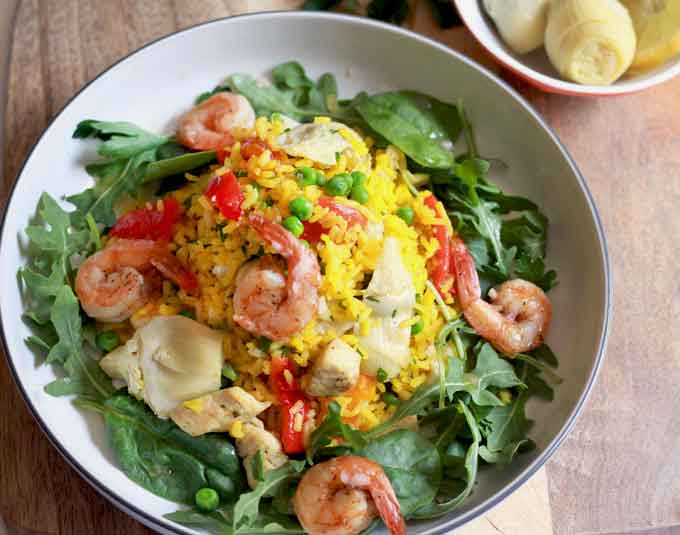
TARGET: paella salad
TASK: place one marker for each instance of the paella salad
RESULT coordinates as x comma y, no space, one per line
297,313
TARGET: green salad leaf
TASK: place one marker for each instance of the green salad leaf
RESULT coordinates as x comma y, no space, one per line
247,508
84,374
419,125
333,427
445,502
507,424
411,463
162,458
219,523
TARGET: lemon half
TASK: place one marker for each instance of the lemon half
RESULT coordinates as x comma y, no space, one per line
657,24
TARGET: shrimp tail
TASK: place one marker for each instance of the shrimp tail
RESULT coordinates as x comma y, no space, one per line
467,280
389,510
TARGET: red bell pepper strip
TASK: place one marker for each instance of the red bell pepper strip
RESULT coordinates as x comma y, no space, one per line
443,269
148,223
293,403
225,192
314,230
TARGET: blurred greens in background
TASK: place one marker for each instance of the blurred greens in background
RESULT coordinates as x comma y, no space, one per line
394,11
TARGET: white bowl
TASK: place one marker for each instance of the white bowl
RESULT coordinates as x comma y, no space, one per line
536,68
155,83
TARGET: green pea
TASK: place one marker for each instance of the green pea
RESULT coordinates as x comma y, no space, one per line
294,225
405,213
228,372
340,185
301,208
381,375
188,313
417,327
306,176
390,399
207,499
359,194
107,340
358,177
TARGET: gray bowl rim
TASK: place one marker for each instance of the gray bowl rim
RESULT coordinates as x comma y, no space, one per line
458,520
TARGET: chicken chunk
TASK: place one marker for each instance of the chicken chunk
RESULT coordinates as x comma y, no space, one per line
334,372
257,438
217,411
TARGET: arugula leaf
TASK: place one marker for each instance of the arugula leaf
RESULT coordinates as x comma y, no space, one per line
330,428
504,456
84,375
412,464
507,424
218,523
443,504
178,164
417,124
490,371
247,508
121,139
162,458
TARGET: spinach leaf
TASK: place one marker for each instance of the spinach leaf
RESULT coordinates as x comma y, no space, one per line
330,428
443,503
162,458
411,462
247,508
419,125
319,5
214,522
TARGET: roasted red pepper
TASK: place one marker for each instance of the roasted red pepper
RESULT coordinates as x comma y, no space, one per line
148,223
313,231
442,273
225,192
294,404
349,214
222,154
252,146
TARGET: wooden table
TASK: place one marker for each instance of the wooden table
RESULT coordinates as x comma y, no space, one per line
617,473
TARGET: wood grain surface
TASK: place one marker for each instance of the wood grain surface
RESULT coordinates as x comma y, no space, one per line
617,472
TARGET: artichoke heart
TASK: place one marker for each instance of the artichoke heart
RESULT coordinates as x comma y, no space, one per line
170,360
590,41
319,142
521,23
391,296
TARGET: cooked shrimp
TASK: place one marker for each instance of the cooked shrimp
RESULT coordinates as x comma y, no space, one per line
518,316
209,125
265,301
343,496
114,283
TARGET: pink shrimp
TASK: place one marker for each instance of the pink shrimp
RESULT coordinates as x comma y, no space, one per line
114,283
209,125
265,301
517,318
343,496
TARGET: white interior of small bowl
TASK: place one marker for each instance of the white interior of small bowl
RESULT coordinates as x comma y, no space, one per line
160,81
537,67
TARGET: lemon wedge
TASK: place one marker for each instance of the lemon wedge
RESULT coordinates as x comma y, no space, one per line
657,24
